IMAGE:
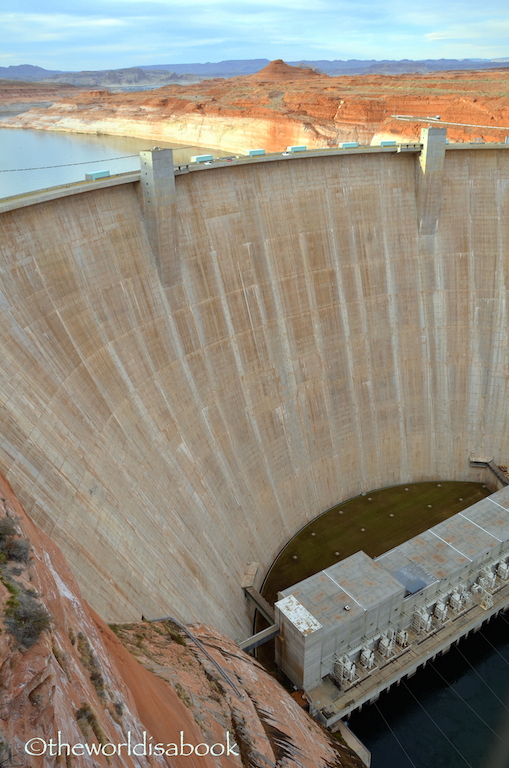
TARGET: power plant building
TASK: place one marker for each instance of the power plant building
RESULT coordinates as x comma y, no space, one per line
345,602
361,611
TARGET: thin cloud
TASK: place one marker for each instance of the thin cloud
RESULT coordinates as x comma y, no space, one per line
492,28
231,7
34,25
104,34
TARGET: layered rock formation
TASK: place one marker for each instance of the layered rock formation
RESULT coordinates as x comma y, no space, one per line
16,95
128,77
283,105
278,71
71,674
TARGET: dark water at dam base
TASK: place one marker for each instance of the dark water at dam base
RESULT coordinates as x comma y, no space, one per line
450,714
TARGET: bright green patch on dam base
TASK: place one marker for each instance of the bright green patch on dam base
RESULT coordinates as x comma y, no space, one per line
375,522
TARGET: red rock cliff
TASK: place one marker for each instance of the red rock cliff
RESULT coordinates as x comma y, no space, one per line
282,105
63,670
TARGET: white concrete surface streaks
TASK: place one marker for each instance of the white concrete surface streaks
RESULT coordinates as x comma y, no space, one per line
315,345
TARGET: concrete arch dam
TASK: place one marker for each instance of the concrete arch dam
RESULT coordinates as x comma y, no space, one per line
181,393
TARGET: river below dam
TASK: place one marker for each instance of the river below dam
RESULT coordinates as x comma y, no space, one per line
31,160
452,714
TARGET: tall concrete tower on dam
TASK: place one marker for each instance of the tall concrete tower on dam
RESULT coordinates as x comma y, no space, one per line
180,395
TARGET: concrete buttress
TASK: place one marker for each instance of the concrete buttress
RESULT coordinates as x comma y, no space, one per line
430,170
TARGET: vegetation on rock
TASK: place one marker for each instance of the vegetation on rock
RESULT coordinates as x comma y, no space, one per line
25,618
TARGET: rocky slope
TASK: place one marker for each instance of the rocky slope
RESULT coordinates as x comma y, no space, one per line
63,670
283,105
18,95
122,78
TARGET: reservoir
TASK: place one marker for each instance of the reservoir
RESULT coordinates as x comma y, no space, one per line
31,160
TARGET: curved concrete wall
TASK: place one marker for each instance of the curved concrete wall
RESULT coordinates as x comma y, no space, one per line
314,347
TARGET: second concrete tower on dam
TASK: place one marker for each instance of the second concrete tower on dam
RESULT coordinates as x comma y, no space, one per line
325,325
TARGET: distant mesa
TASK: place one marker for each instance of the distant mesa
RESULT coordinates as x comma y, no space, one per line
279,70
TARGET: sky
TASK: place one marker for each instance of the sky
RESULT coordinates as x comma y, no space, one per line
110,34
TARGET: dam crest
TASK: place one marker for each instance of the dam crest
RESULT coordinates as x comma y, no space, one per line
184,388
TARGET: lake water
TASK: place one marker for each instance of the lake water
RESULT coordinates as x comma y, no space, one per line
26,154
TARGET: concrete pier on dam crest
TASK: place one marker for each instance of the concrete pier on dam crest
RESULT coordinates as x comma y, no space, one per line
195,364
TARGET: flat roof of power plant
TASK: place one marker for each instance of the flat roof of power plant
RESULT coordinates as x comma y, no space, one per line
434,555
447,547
357,582
325,600
362,578
490,514
298,615
502,497
465,536
348,588
412,575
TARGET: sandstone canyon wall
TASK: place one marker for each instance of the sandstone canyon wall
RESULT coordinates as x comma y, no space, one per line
75,677
315,345
283,105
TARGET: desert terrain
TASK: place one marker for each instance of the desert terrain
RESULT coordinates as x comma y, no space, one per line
64,670
281,105
16,95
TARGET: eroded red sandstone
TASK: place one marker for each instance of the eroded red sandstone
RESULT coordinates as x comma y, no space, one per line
80,679
283,104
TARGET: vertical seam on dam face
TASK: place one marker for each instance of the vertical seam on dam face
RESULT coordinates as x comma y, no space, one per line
307,343
349,384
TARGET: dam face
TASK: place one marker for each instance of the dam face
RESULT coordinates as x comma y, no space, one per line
314,341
